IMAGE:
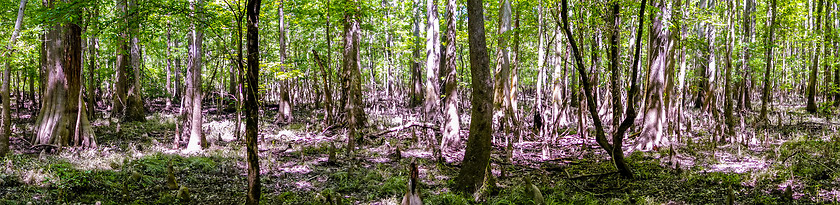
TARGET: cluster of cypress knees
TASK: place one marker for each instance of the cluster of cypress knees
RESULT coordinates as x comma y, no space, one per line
183,193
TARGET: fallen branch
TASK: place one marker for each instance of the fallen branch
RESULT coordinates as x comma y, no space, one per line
406,126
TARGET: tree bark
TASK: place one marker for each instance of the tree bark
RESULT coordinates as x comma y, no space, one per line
765,97
811,106
4,89
251,105
477,154
452,124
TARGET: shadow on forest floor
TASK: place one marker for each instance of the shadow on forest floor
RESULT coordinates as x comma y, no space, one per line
756,166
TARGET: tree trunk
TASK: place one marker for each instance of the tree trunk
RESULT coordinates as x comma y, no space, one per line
354,107
432,101
745,102
765,97
502,72
168,67
128,104
614,42
614,149
284,111
192,107
541,60
4,89
251,104
658,61
811,107
477,154
452,126
416,74
727,89
327,88
62,120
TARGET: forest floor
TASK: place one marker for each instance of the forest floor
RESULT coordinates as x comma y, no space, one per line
793,149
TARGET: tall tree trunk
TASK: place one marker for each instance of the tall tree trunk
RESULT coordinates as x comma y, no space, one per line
477,154
727,89
168,67
541,60
128,103
811,107
614,149
92,85
251,104
284,111
134,110
765,97
62,120
614,41
192,127
354,107
432,101
502,72
659,58
745,102
416,74
4,89
327,88
452,124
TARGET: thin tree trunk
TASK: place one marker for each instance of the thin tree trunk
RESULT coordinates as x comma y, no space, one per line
811,107
452,126
765,97
4,89
745,102
416,79
284,111
168,67
614,149
251,104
